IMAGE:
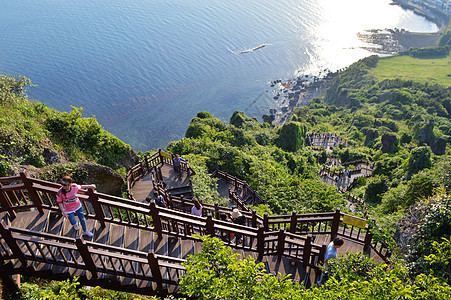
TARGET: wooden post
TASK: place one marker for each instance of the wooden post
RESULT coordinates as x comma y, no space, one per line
87,258
12,283
266,222
12,243
156,273
216,210
132,178
293,222
368,238
335,224
260,243
210,225
156,221
254,218
142,168
94,200
170,202
161,157
322,253
146,160
307,250
31,191
280,243
160,175
6,204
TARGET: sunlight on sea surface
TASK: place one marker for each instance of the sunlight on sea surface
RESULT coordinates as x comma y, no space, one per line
145,68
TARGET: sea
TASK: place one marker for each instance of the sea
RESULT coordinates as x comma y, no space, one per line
144,68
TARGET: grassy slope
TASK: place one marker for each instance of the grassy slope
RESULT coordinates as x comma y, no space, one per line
416,69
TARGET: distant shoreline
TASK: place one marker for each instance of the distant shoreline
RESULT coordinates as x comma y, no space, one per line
430,13
389,41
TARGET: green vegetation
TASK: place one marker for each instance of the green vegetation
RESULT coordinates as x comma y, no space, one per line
397,125
247,149
426,70
395,111
70,289
31,133
215,273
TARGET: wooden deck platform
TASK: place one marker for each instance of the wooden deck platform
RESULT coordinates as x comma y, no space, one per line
144,187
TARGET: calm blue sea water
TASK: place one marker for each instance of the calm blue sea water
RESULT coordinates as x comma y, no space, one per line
145,68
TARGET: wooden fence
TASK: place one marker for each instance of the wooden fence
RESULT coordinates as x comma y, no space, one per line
151,164
240,185
289,235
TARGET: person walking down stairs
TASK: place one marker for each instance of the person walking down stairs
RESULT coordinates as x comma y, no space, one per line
70,204
331,253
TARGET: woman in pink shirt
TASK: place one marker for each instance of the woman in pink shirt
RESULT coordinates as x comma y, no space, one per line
70,204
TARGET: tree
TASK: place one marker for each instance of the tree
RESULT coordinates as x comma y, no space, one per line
215,273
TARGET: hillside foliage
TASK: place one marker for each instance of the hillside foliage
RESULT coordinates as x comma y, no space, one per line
32,133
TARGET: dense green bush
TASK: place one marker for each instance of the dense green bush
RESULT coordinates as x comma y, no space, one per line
430,52
376,186
215,273
30,130
433,230
291,136
419,159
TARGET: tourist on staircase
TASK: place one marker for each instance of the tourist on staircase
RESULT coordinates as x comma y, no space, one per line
177,163
70,204
197,208
331,253
159,200
239,219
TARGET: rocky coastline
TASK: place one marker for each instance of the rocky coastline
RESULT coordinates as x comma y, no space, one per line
300,90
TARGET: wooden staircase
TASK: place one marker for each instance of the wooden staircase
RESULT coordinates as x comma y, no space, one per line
139,247
52,250
49,242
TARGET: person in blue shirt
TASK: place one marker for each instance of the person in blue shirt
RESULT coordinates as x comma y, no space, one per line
159,200
331,253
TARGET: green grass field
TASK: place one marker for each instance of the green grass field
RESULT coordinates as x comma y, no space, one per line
437,70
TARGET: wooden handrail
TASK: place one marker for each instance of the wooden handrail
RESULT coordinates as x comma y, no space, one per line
169,221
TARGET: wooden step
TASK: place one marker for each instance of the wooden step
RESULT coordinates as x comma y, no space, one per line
174,247
55,223
146,244
131,241
187,248
31,220
160,245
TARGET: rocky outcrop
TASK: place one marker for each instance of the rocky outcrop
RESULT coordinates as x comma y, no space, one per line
406,228
426,133
438,145
389,143
106,179
371,135
129,160
426,136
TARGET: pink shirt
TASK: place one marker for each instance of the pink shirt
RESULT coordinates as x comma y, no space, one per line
70,201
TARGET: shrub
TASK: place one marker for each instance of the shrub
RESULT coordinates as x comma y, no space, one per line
291,136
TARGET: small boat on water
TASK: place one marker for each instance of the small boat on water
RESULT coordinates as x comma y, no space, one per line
251,49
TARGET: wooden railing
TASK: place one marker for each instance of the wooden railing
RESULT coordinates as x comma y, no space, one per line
241,185
288,235
28,246
149,164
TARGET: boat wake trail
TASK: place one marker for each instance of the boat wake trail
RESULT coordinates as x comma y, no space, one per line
249,50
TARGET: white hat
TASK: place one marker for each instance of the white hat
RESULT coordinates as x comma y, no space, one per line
236,213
